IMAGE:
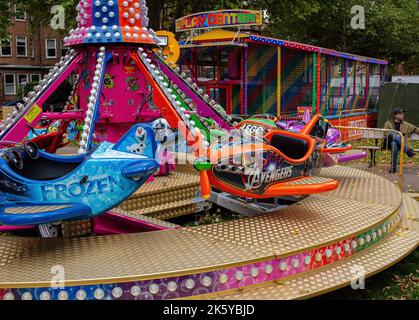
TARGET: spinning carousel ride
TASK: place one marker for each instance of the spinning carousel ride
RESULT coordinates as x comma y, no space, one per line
350,220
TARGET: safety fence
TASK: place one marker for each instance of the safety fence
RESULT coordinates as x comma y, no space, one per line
384,150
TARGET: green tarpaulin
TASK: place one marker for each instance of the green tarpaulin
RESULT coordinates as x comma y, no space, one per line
396,95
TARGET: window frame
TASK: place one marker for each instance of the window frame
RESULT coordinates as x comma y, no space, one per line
14,84
35,74
24,15
26,47
11,49
46,48
22,74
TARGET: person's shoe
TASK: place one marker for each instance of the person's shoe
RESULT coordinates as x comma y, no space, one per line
392,171
410,153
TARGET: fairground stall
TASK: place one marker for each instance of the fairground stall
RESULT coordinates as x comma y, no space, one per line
253,74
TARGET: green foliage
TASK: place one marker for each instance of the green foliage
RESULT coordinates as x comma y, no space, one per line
22,91
39,13
392,26
170,10
4,18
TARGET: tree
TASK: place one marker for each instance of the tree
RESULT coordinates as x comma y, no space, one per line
391,30
39,13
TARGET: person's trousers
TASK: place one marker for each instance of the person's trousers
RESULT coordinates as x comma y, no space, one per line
394,143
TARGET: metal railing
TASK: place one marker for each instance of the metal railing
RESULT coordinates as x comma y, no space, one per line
385,149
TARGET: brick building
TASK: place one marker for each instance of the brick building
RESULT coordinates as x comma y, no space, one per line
27,56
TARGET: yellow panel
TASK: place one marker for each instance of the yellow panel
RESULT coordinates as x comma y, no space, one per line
219,34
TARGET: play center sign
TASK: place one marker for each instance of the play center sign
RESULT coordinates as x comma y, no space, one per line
220,19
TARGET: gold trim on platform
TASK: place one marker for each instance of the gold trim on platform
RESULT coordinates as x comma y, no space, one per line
313,223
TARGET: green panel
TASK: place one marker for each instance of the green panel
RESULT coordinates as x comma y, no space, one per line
394,95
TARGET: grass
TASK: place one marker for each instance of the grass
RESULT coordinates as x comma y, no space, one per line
415,159
401,282
384,156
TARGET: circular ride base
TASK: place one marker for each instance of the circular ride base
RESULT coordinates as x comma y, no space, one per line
315,246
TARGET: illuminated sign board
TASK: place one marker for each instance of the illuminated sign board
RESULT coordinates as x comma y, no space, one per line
220,19
164,41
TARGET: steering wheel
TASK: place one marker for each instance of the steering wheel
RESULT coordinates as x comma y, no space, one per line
14,159
32,150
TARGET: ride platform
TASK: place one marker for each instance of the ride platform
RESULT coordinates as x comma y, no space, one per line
167,197
301,251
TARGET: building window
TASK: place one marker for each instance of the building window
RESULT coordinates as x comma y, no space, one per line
21,46
35,78
20,15
22,80
6,48
9,84
51,48
64,49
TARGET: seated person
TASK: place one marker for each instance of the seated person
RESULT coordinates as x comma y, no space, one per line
393,141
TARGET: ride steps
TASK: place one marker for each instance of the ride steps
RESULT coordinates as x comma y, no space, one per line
167,197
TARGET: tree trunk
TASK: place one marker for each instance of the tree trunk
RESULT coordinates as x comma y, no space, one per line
155,9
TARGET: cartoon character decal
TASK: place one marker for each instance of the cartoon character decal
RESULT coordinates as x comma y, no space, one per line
132,83
162,130
54,127
86,78
109,82
141,145
44,127
256,172
72,133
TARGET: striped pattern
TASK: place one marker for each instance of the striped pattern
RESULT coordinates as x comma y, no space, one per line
348,86
262,80
297,80
33,209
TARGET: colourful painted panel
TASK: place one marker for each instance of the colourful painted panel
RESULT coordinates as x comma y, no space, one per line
348,87
262,79
121,78
374,86
297,80
332,84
